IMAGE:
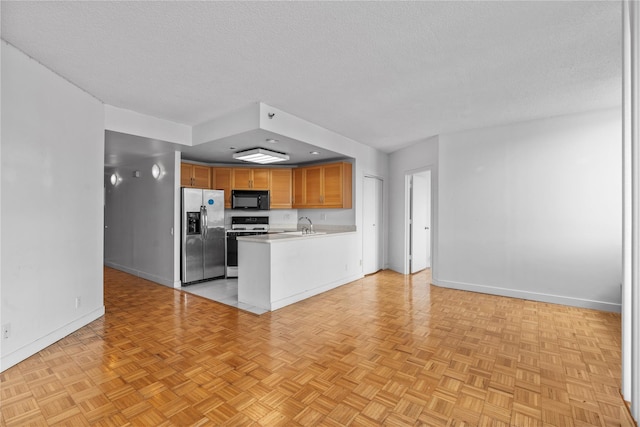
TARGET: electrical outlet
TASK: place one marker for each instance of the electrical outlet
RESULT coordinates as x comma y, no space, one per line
6,331
323,216
77,302
287,217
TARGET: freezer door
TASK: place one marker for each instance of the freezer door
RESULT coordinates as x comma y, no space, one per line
192,259
192,242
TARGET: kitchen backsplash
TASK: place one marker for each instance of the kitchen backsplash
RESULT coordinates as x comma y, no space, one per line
328,220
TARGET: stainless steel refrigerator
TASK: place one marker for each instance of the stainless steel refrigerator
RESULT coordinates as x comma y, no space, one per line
203,235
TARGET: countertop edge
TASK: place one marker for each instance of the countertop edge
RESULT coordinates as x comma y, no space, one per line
281,237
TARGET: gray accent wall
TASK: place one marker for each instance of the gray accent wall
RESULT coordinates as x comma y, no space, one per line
139,218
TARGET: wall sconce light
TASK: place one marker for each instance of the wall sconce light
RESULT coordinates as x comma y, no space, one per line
114,179
156,171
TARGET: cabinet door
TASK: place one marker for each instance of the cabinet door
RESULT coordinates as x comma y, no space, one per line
347,185
241,178
280,189
260,179
298,188
313,186
333,183
222,181
201,176
186,175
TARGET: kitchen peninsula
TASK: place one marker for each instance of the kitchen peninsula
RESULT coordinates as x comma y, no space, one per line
276,270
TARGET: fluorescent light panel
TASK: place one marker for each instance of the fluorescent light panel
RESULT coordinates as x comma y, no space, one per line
260,155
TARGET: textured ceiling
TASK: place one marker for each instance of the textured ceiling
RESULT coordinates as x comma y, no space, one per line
383,73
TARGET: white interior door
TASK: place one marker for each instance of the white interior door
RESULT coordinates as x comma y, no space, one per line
421,221
372,225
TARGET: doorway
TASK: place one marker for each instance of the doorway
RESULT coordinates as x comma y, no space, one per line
372,255
419,221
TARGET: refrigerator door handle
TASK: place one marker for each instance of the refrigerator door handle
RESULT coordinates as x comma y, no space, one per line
206,222
203,222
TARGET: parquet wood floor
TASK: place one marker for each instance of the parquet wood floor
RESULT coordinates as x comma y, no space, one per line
384,350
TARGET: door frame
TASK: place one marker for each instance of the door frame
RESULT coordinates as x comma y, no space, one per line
407,218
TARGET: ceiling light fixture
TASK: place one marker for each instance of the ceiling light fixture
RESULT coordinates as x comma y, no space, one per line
260,155
271,140
315,153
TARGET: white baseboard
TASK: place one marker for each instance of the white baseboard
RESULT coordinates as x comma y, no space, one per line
147,276
396,268
533,296
315,291
41,343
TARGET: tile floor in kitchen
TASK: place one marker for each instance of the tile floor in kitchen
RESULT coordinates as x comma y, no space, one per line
224,291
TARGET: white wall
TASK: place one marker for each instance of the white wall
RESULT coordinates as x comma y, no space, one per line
533,210
52,197
139,217
418,157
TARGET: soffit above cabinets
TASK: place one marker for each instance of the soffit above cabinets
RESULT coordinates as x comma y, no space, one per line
221,151
215,141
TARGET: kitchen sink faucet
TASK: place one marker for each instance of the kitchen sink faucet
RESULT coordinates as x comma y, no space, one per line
305,229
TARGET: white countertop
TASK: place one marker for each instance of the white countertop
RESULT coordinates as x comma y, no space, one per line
279,236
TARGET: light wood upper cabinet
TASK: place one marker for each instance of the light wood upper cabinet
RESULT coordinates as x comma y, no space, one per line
320,186
337,185
323,186
261,179
222,181
313,186
196,176
249,179
298,187
280,188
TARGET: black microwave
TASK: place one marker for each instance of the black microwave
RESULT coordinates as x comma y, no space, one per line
256,200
